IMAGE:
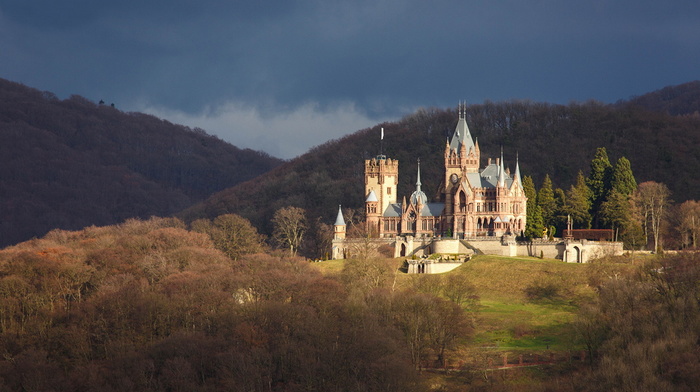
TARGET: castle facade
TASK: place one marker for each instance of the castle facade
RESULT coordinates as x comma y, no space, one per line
474,202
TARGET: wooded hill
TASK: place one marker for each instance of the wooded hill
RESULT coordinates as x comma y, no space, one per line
73,163
659,133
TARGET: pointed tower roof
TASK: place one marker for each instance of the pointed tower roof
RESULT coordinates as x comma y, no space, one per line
339,221
462,136
372,196
517,172
502,171
418,195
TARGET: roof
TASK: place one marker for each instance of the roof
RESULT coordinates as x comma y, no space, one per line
429,209
432,209
339,221
462,134
393,210
372,196
419,196
488,178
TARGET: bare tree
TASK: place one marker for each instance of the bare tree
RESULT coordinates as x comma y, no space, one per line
687,219
651,199
290,226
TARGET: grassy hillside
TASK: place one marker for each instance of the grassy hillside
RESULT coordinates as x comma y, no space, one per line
526,305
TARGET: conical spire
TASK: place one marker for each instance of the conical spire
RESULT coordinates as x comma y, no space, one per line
418,184
501,171
418,196
517,171
339,221
372,196
462,136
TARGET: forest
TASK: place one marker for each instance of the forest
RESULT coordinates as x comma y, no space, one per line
657,136
156,305
126,275
73,163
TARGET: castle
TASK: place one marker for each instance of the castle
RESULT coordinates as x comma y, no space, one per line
473,203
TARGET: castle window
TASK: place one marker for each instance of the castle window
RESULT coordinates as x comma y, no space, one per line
388,191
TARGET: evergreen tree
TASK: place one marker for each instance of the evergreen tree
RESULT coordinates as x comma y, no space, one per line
546,202
622,178
578,203
598,181
559,211
616,213
533,228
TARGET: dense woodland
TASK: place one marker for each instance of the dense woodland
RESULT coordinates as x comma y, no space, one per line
156,306
149,305
74,163
217,300
657,134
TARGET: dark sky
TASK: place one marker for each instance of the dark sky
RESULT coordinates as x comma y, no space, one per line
283,76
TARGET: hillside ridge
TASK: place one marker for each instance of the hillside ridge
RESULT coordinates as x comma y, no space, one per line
73,163
559,140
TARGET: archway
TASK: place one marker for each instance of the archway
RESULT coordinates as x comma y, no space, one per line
403,250
577,254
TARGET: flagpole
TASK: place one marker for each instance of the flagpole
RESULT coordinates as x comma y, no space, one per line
381,142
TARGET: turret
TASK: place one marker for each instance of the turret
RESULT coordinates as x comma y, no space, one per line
382,177
339,226
462,153
372,212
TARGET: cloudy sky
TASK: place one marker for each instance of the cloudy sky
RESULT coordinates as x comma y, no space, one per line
283,76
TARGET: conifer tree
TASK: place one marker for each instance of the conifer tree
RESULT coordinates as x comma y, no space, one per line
533,228
560,203
598,181
622,178
546,202
578,203
616,211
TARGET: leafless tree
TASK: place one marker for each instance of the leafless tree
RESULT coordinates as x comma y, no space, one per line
651,199
290,226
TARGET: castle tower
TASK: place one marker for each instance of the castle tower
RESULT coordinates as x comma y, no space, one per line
462,156
382,177
339,226
372,212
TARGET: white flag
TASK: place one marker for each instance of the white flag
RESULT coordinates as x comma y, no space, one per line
382,134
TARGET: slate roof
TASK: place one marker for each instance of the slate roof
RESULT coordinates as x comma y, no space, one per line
429,209
372,196
339,221
393,210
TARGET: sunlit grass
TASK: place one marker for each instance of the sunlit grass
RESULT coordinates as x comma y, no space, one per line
329,267
510,320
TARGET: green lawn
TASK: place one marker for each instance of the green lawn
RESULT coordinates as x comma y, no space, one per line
511,320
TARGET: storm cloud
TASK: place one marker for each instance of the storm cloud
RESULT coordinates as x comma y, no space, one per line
283,76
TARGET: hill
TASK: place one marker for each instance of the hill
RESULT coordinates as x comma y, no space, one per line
73,163
559,140
683,99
